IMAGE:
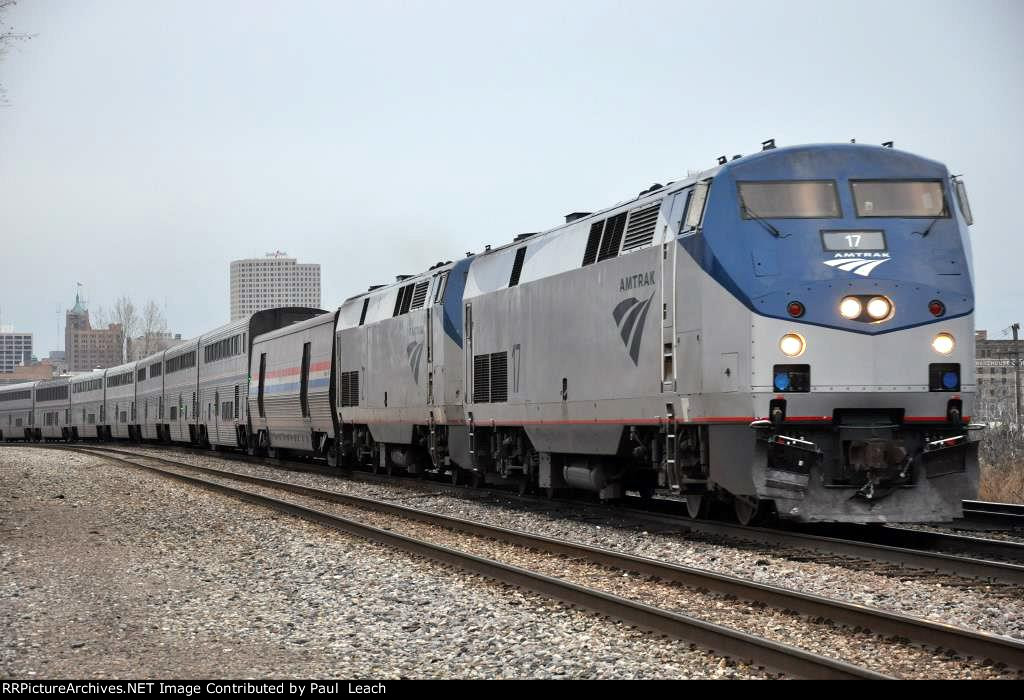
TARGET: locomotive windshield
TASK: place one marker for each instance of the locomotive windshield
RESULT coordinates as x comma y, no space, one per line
797,199
901,198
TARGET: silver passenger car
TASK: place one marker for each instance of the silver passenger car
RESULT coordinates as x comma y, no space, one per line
53,409
290,397
120,401
223,378
149,397
16,418
88,412
181,376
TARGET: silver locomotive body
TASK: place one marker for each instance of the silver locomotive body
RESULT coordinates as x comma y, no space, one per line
699,340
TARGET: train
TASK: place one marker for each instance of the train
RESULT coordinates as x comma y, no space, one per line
788,334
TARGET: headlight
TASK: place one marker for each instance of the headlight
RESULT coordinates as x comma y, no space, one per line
943,343
879,308
851,308
792,345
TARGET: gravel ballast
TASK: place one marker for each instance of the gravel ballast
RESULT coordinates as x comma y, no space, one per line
971,604
859,647
106,571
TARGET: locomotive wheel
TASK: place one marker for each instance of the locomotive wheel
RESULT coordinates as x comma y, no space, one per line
749,510
698,505
523,486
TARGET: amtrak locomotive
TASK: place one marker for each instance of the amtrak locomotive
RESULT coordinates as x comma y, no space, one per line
789,333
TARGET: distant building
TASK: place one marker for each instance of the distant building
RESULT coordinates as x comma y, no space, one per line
147,344
271,282
31,373
58,359
86,347
997,365
15,349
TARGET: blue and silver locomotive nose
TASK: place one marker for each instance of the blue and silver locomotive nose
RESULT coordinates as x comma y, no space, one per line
851,266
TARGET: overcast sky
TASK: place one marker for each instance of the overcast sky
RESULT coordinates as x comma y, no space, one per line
147,144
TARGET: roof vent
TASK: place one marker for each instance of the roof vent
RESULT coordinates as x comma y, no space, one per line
576,215
888,144
737,156
523,236
374,286
722,160
487,248
653,188
768,145
402,278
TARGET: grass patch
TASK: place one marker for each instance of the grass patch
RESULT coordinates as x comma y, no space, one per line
1002,465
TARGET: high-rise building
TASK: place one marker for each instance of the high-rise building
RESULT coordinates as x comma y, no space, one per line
270,282
86,347
15,349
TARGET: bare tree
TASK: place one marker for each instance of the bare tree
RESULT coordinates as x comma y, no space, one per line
154,328
99,319
7,38
125,316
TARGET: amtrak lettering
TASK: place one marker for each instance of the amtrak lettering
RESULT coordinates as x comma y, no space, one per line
644,279
861,255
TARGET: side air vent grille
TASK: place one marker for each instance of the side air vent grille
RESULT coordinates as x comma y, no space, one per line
593,242
419,294
612,238
490,378
350,388
404,300
517,267
499,377
481,378
640,231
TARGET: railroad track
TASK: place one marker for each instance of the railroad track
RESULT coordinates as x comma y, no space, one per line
773,655
1009,514
957,556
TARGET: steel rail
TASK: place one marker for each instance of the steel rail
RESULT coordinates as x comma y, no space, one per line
774,656
966,642
860,548
1008,513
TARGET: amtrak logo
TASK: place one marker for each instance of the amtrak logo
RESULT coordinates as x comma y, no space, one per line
630,315
414,350
862,264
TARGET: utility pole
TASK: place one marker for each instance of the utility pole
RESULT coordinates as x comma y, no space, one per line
1016,372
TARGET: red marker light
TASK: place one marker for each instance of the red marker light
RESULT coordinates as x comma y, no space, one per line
796,309
936,307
